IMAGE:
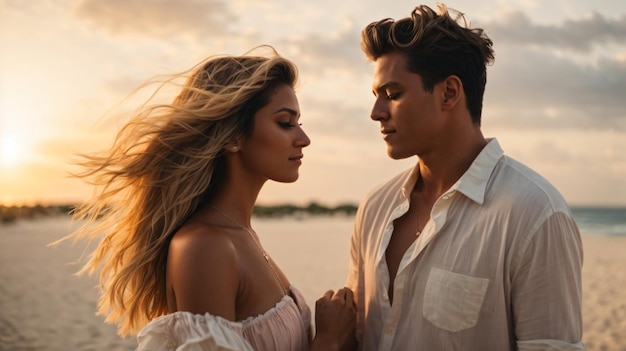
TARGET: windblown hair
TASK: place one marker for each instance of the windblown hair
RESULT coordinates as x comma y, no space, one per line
437,46
166,162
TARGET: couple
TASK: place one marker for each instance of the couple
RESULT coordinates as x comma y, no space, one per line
468,250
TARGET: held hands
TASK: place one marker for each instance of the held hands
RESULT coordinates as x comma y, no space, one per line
335,321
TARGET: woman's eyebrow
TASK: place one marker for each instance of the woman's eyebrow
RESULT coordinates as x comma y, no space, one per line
288,110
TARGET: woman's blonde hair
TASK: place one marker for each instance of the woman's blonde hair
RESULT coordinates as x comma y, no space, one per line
165,162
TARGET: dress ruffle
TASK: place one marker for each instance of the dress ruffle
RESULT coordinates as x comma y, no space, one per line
283,327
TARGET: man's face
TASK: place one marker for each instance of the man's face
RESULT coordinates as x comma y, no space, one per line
410,117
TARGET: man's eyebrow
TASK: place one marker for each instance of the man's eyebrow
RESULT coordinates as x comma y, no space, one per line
288,110
384,86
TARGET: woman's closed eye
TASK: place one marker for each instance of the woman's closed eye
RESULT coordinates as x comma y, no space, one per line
288,125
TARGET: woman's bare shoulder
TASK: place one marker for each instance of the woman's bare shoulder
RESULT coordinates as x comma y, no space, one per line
203,270
204,237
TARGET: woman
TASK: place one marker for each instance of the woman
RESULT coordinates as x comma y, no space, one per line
174,197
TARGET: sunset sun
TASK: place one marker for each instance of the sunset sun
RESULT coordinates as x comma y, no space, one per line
10,150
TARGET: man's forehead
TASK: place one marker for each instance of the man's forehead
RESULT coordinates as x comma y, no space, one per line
391,64
389,71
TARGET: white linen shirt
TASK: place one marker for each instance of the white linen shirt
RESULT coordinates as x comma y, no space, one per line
497,266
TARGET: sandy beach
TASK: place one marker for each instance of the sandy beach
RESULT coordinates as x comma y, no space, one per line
44,307
604,293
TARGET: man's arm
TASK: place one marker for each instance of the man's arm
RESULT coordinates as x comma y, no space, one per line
546,293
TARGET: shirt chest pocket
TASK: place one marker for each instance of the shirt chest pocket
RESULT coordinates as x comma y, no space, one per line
452,301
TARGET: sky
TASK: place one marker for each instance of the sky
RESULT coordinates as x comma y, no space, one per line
555,97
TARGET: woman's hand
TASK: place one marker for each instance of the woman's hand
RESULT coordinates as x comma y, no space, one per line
335,321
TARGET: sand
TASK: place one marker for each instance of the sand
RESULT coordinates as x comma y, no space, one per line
604,293
44,307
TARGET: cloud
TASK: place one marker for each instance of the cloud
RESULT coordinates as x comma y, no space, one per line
577,34
329,52
557,76
533,88
338,118
158,19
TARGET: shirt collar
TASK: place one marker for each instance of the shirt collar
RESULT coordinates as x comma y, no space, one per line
409,182
473,183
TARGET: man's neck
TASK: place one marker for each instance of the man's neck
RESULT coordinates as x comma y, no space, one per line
439,170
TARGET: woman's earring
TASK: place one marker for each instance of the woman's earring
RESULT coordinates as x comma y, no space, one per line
234,148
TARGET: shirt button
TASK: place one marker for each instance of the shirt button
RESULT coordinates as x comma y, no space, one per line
385,297
388,330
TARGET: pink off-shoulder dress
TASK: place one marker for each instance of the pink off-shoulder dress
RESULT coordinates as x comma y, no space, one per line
285,327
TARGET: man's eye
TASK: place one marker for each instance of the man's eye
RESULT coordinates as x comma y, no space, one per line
393,96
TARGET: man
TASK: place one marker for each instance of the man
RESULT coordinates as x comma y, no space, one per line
468,250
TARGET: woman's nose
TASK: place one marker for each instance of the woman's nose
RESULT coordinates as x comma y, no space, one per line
303,140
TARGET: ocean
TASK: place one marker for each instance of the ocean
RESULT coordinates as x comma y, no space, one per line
601,220
43,306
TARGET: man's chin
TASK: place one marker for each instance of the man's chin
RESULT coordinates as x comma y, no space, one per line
397,156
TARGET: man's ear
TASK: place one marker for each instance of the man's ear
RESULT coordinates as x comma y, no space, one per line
452,88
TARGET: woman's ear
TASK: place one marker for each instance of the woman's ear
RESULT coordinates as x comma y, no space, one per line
235,146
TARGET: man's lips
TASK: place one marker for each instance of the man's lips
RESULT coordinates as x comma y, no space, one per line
387,132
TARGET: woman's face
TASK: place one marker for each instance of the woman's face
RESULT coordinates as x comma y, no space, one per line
274,149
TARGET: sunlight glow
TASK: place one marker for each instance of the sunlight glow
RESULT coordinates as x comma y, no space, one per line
10,150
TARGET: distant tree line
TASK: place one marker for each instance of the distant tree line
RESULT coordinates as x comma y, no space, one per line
312,209
10,214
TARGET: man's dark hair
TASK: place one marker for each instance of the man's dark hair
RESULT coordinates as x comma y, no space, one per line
437,46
